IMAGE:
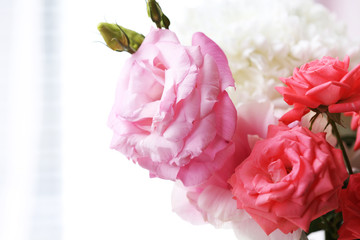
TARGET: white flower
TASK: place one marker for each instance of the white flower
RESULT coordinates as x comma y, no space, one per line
265,40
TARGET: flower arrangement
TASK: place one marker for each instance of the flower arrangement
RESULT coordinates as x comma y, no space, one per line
261,156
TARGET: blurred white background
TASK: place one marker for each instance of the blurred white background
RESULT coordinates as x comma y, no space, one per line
58,177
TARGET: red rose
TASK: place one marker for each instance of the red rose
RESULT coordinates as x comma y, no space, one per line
322,82
350,207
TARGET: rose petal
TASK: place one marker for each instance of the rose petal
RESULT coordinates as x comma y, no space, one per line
328,93
294,114
349,105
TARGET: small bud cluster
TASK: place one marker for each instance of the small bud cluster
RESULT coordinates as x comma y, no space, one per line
122,39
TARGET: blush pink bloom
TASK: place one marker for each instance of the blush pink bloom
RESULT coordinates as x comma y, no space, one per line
290,178
324,82
355,125
172,114
350,207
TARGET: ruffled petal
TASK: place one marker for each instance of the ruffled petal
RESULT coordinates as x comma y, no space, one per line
210,47
208,83
225,117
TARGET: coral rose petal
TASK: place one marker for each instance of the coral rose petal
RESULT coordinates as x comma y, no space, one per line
352,78
349,105
350,208
328,93
294,114
301,99
357,141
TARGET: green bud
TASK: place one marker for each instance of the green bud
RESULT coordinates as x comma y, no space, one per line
165,21
154,12
135,38
157,16
114,37
119,38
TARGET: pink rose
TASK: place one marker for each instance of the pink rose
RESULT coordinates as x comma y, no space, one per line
172,114
355,125
290,178
324,82
350,207
212,201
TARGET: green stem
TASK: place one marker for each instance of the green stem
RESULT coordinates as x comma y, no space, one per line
341,144
329,230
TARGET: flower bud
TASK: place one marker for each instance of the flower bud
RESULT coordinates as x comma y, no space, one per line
119,38
156,14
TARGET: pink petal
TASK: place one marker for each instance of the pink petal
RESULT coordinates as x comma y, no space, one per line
185,114
209,83
157,148
203,134
187,85
218,204
210,47
203,167
194,173
160,35
225,116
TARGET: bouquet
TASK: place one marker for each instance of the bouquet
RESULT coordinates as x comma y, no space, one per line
249,131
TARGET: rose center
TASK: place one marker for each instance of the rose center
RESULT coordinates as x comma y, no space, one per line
277,170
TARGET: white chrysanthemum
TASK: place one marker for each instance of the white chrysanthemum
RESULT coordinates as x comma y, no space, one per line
265,40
